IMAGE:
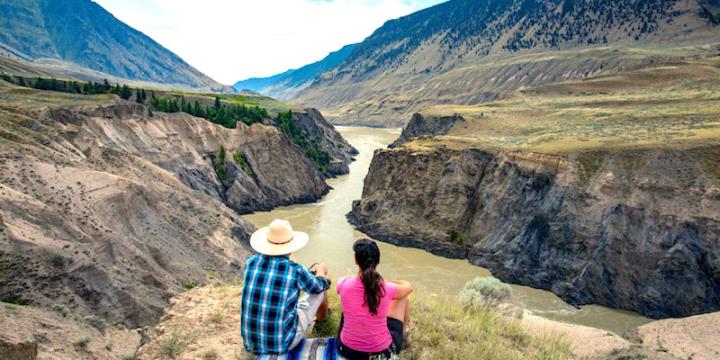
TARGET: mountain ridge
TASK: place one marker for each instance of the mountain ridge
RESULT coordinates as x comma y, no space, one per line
286,84
408,63
82,32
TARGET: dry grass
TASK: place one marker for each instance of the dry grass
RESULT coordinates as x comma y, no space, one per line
441,329
667,106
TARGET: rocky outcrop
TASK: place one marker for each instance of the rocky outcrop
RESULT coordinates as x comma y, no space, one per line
635,230
261,168
319,130
420,125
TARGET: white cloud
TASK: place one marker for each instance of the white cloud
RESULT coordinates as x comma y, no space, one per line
234,39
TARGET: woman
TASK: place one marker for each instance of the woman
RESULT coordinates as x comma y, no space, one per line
374,310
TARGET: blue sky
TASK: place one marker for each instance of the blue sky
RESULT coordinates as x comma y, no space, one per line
231,40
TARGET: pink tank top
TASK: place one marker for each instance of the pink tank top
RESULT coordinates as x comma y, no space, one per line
363,331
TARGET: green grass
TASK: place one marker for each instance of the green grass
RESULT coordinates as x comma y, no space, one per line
242,99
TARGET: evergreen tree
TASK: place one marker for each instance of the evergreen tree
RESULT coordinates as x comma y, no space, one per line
125,92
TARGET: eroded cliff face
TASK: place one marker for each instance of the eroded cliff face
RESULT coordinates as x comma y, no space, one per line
637,230
328,139
261,168
110,211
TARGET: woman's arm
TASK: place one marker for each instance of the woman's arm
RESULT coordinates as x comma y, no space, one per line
403,288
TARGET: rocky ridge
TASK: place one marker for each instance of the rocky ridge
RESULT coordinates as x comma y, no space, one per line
470,52
632,240
314,125
420,126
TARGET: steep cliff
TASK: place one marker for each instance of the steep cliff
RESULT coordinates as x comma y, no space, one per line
321,132
259,170
626,235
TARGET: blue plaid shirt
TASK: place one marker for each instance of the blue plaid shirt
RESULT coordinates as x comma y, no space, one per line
270,294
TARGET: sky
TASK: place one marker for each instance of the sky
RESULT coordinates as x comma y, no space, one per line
231,40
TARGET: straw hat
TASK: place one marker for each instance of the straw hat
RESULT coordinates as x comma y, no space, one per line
278,239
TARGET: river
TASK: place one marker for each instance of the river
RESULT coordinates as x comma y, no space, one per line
331,239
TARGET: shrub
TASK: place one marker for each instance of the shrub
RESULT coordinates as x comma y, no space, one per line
11,308
210,355
483,292
62,310
456,237
242,162
172,346
57,260
190,285
82,342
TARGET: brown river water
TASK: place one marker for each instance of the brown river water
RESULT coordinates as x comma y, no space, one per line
331,239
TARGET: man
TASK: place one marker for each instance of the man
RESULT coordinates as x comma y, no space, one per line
274,317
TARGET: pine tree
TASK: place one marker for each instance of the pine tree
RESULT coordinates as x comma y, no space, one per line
125,92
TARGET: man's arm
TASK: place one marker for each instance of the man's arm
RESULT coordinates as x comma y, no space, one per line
311,283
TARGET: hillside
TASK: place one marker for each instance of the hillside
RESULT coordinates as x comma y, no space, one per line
81,33
109,209
603,191
287,84
469,52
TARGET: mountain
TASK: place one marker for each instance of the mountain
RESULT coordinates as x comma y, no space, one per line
81,32
285,85
469,52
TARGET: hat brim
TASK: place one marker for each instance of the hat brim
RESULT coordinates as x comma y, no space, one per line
259,242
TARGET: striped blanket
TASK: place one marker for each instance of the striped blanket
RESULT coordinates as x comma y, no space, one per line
309,349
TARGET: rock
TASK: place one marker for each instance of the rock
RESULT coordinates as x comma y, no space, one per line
420,125
18,351
317,128
547,222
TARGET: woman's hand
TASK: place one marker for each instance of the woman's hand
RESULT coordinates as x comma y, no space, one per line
403,288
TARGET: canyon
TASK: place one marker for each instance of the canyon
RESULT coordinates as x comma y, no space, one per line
558,187
109,209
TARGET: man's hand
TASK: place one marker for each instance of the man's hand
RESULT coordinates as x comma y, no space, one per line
322,270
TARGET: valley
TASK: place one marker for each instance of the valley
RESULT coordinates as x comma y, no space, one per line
568,148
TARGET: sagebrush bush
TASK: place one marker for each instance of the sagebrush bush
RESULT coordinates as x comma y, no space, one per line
484,291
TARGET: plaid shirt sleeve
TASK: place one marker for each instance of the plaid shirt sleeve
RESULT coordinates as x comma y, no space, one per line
310,283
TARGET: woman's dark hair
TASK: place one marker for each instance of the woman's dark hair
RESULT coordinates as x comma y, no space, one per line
367,256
